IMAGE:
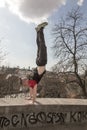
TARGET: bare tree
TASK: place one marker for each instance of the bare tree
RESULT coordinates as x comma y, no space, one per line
70,45
2,53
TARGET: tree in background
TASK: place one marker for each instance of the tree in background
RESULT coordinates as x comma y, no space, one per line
70,46
2,53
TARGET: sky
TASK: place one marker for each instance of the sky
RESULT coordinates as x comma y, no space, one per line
18,19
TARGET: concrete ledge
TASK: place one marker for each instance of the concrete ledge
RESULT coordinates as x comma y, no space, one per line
46,114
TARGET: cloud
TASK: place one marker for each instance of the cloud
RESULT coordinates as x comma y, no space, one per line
2,3
34,10
80,2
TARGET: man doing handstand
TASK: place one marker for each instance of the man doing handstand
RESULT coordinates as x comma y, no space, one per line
41,61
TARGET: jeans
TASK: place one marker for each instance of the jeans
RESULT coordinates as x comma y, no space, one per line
41,59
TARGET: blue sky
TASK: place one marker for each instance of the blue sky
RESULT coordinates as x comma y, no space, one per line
17,28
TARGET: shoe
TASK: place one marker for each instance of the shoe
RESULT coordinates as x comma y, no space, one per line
42,25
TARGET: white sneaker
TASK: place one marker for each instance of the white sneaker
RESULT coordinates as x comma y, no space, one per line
41,25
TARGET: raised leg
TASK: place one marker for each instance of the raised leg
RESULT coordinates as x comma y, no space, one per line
41,59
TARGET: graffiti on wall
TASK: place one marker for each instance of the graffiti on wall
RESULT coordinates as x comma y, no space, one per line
25,120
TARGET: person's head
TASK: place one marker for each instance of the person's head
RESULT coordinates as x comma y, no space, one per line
31,74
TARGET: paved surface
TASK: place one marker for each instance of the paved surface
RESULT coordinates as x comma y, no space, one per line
42,101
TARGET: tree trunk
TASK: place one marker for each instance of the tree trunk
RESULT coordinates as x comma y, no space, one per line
82,84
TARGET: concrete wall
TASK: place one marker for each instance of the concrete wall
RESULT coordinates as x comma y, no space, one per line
46,114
